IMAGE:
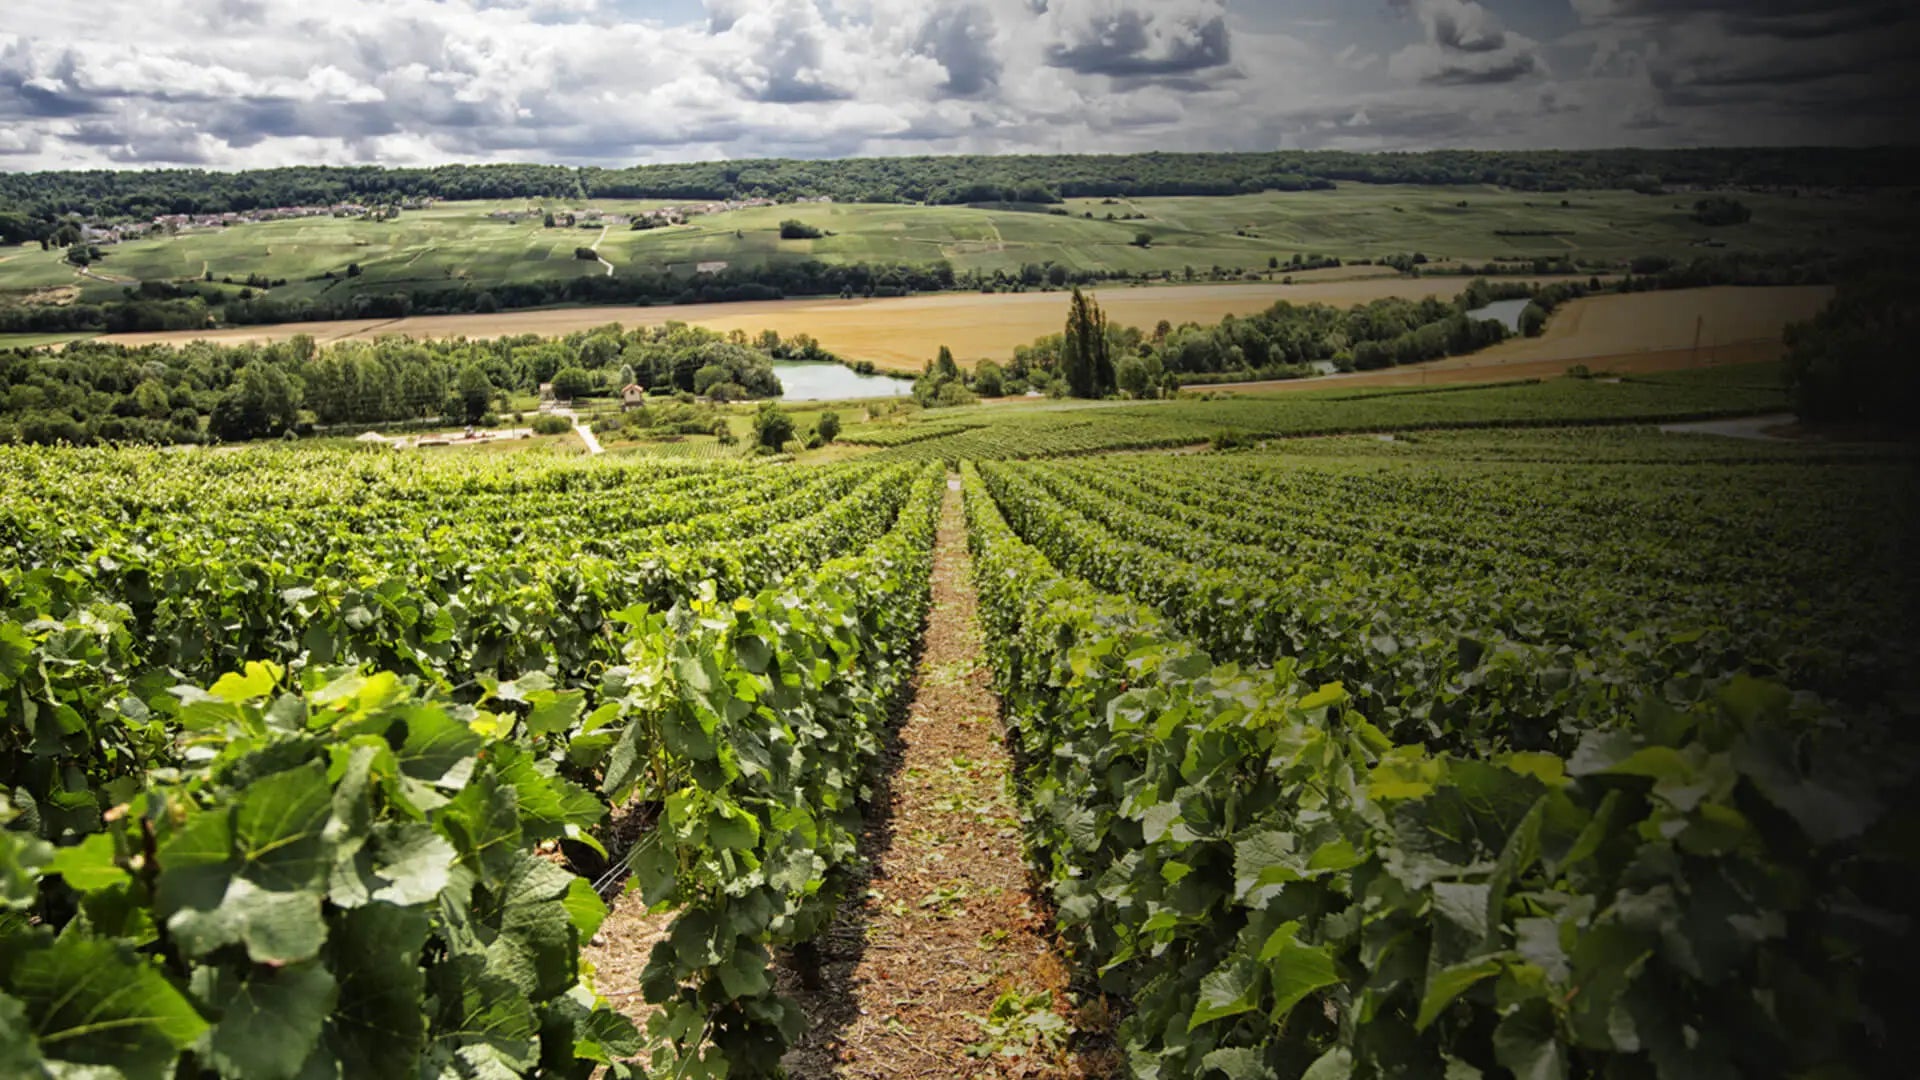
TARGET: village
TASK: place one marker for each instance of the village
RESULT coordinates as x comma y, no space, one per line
105,233
591,217
168,224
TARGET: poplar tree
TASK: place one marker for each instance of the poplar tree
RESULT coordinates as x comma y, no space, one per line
1084,352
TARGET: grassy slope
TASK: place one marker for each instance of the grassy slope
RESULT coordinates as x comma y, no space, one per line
456,241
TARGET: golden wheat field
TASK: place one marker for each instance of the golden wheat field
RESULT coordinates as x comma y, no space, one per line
899,334
1616,332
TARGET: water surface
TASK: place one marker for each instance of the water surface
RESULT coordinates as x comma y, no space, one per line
833,382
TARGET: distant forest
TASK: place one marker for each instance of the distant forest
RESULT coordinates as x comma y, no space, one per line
29,198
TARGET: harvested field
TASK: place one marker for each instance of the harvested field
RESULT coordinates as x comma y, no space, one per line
1635,334
1607,326
898,335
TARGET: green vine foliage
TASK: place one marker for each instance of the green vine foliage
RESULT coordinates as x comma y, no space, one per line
778,708
342,882
1710,889
319,868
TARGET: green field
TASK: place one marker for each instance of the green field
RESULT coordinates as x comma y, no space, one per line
453,243
36,341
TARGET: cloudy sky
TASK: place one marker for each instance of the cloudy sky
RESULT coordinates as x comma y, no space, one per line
234,83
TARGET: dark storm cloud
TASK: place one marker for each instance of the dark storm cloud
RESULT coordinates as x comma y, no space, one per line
246,123
961,39
23,100
1450,31
1505,70
1130,42
25,96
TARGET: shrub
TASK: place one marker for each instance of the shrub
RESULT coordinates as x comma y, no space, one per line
1533,319
989,379
954,394
792,229
1721,210
1853,362
828,426
772,427
551,425
1230,439
573,382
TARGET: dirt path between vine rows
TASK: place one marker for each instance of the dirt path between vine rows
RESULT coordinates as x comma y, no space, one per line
944,924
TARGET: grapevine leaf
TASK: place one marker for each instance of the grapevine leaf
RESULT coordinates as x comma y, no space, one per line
484,1018
379,1028
1238,1063
439,750
656,868
19,1054
1449,983
22,858
278,827
1230,989
1525,1044
89,1001
1296,969
1261,863
89,865
1335,1064
237,688
548,804
483,823
555,711
412,863
536,944
743,973
585,908
270,1019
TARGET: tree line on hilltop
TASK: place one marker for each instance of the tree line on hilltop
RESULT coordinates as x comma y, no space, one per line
31,204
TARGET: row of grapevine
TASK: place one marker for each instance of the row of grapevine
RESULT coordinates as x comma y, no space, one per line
1488,626
1279,887
997,432
340,859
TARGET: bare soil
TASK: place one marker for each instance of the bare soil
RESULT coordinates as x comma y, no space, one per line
944,922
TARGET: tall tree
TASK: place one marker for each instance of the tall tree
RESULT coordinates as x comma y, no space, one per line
1085,354
476,392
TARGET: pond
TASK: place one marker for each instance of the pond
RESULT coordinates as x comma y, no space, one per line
1505,311
834,382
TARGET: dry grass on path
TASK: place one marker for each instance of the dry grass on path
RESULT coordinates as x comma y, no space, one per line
946,923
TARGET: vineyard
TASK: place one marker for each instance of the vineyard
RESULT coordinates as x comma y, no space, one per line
1061,429
1510,745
